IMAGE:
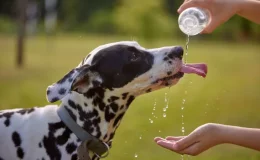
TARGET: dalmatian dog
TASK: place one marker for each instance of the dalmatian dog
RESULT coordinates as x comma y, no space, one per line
96,94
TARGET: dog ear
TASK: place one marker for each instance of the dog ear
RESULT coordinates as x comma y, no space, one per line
77,80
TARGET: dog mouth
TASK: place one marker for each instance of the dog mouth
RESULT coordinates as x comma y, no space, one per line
199,69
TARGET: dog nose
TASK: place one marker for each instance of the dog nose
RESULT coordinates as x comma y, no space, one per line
176,52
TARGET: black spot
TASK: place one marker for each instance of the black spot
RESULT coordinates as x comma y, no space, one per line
85,104
130,100
170,62
1,158
96,121
20,152
114,107
122,106
31,110
169,73
108,115
72,104
124,95
170,55
68,75
74,157
148,90
118,118
70,79
40,145
48,92
43,158
7,115
165,58
70,148
49,143
16,139
62,91
54,99
113,98
62,139
7,122
111,136
96,83
102,106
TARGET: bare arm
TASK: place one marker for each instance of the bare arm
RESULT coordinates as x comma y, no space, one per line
250,9
210,135
246,137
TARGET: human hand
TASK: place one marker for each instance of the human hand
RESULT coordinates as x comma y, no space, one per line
201,139
220,10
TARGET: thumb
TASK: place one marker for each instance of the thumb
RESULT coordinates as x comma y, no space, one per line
185,142
212,25
193,149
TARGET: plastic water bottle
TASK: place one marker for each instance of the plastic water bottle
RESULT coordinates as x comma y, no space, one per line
193,20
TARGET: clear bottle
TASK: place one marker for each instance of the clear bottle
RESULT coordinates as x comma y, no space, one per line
192,21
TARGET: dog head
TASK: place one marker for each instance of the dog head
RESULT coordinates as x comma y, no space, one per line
123,67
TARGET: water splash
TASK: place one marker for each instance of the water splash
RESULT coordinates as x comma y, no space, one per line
140,137
166,100
187,48
136,155
151,121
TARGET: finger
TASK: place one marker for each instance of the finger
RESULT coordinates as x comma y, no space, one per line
156,139
174,138
188,4
192,3
211,26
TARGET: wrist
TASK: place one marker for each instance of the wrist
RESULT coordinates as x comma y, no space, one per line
220,134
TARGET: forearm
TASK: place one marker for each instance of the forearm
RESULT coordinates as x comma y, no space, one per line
246,137
250,9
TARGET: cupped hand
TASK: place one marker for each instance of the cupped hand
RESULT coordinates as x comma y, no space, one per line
201,139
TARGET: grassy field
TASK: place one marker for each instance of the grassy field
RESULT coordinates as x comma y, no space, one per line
230,94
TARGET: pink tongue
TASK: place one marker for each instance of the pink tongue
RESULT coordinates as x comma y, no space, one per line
199,69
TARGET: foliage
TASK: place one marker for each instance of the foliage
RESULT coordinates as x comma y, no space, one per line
149,19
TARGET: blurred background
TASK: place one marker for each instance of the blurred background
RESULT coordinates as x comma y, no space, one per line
41,40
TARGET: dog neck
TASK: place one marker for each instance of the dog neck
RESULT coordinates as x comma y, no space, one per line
99,111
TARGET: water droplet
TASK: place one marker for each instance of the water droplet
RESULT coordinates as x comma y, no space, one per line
151,121
190,82
159,131
182,107
136,155
164,109
182,116
164,115
140,137
152,113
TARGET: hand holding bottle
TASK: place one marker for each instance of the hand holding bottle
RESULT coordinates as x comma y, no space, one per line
221,11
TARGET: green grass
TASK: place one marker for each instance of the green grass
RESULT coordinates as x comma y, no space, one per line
230,94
